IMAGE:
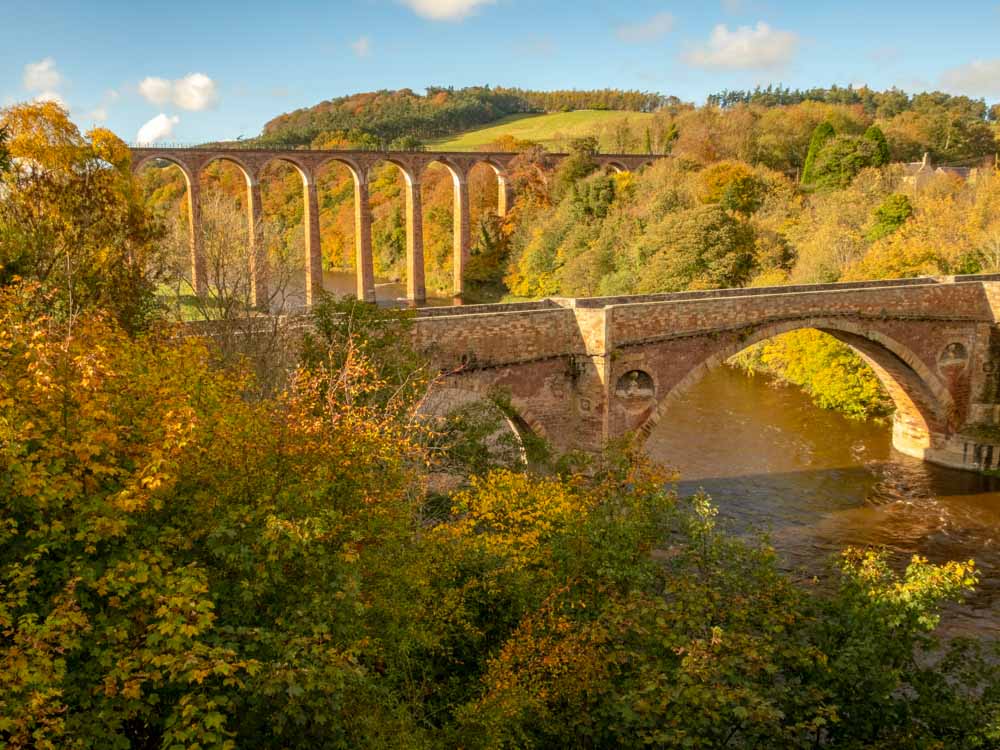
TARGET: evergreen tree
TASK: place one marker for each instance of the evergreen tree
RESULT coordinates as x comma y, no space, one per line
877,137
840,160
821,135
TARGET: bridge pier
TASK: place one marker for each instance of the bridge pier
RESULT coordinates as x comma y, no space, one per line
314,253
363,261
416,290
199,271
462,238
259,294
505,198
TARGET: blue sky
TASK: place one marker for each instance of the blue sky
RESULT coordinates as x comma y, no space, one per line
193,71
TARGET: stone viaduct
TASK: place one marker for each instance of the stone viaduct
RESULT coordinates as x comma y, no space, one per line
582,371
412,164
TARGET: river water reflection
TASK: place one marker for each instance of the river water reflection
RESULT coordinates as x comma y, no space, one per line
341,283
818,482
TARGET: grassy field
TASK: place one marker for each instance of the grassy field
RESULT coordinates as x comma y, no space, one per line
551,130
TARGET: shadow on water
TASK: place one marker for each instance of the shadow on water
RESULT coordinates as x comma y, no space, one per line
817,482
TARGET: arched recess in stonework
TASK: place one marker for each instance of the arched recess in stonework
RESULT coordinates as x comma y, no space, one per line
188,275
519,414
295,275
923,404
450,400
233,230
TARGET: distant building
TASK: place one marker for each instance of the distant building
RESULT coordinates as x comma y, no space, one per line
916,173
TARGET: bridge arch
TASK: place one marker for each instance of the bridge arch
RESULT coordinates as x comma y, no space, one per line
924,405
504,186
364,265
447,397
416,288
522,416
192,189
460,215
304,171
357,171
174,161
312,258
257,259
249,173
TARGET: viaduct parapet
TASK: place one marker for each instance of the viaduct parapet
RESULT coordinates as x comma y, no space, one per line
581,372
412,164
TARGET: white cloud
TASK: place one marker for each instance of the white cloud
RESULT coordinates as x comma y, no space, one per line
978,78
156,90
193,92
362,46
646,31
42,75
157,129
746,48
445,10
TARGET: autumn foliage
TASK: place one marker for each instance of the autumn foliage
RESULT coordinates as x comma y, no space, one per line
71,217
191,560
184,566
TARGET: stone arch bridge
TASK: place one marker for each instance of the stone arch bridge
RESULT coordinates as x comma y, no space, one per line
252,161
582,371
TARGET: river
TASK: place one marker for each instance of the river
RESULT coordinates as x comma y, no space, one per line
341,283
818,482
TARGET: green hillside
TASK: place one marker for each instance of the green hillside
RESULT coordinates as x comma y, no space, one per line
549,130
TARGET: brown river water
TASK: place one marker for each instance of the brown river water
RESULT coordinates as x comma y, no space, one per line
341,283
817,482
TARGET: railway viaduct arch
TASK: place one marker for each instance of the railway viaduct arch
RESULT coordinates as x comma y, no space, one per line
581,372
412,164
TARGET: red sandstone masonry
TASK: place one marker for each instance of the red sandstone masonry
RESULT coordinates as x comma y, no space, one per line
490,339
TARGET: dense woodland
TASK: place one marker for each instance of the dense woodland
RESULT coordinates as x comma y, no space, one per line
403,118
250,541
